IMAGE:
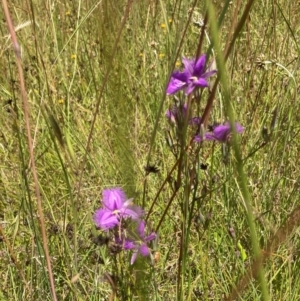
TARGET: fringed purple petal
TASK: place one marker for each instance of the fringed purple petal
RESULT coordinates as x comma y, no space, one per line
198,139
199,66
174,86
104,219
129,245
210,136
239,129
134,212
181,76
150,237
222,132
188,65
133,257
141,229
190,88
201,82
144,250
113,199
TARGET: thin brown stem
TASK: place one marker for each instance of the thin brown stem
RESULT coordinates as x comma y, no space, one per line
208,107
17,51
201,37
166,209
239,27
227,51
233,24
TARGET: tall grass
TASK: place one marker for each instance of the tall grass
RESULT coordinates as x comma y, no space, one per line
94,74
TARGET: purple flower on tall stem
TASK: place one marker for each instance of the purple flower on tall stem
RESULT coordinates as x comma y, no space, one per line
194,75
116,206
139,244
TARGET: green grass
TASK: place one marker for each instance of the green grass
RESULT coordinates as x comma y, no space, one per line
81,66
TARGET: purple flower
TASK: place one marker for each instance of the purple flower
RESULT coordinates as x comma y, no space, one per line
114,198
220,133
193,76
116,206
116,201
139,246
195,121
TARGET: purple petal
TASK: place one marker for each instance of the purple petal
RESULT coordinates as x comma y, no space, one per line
222,132
239,129
190,88
113,199
135,212
150,237
129,245
104,219
199,66
198,138
189,65
141,229
144,250
175,85
209,136
181,76
133,257
201,82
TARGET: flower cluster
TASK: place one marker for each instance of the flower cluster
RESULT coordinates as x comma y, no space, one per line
124,219
192,77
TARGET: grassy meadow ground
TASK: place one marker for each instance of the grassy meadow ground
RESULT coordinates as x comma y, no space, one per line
87,59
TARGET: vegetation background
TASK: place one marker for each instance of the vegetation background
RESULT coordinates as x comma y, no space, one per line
95,74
